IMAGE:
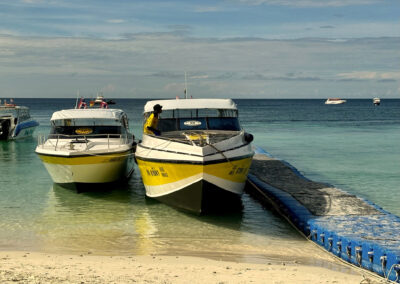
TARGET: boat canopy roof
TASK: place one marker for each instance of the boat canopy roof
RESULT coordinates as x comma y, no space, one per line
8,108
96,113
191,104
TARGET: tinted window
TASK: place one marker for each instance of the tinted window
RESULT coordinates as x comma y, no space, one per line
88,130
223,123
165,125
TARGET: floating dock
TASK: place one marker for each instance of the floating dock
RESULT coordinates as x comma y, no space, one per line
353,229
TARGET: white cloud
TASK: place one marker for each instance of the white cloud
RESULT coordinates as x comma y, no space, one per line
174,87
209,9
154,65
109,88
370,75
8,32
311,3
115,21
204,76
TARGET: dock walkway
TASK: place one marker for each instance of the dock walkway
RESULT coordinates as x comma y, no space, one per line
352,228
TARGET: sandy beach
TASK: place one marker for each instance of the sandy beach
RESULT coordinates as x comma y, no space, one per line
34,267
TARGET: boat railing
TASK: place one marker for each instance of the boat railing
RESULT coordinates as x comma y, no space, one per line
52,140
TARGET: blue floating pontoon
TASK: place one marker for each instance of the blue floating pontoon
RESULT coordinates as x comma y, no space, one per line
353,229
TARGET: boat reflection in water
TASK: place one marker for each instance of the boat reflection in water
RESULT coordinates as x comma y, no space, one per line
103,222
122,222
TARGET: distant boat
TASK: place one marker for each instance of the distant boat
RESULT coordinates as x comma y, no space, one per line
15,122
376,101
335,101
99,102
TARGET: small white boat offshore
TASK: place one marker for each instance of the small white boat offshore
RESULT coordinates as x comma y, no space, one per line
87,146
335,101
200,160
15,122
376,101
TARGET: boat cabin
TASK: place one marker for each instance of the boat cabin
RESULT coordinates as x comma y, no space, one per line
19,112
95,123
195,114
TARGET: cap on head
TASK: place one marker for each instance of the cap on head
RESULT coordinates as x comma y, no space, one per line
157,107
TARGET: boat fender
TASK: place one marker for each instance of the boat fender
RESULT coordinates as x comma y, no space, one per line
248,137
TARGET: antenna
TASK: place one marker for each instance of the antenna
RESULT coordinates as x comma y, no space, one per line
185,87
76,103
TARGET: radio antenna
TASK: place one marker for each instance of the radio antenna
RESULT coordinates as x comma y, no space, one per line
185,87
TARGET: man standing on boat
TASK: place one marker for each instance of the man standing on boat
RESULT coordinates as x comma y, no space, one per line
150,126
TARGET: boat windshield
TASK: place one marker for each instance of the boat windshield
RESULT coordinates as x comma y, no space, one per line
198,119
21,113
89,128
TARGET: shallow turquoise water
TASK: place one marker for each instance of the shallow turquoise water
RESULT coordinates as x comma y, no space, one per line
353,147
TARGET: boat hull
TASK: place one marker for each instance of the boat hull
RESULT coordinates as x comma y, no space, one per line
196,186
25,129
22,130
335,102
89,169
203,197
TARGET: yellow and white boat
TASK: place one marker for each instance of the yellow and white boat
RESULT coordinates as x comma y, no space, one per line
201,159
87,146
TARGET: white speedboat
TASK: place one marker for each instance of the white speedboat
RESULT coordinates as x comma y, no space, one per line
376,101
88,146
335,101
15,122
200,161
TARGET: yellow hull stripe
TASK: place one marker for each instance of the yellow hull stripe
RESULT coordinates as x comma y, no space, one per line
159,173
68,160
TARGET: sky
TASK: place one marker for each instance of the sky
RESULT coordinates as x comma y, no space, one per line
266,49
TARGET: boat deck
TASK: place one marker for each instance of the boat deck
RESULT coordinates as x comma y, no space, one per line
197,136
351,228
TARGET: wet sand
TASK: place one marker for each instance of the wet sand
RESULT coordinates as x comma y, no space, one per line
34,267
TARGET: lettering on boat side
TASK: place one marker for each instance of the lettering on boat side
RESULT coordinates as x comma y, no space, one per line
238,171
156,172
192,123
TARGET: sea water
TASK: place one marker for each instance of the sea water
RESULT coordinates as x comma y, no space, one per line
352,146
